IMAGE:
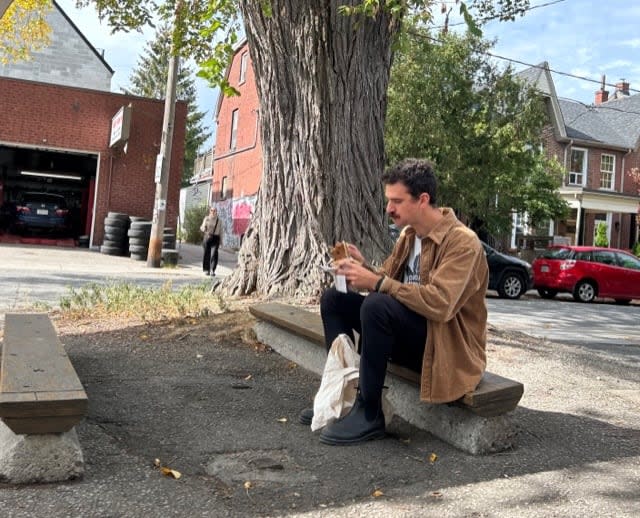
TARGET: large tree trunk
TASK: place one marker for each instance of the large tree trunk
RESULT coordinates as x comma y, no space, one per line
322,81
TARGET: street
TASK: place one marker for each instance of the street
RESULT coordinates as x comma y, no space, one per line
597,325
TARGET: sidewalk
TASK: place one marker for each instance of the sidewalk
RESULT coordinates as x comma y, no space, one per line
43,274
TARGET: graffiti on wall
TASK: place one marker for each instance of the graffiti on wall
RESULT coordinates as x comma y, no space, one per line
235,215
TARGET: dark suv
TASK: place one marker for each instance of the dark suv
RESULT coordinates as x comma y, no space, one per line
509,276
41,211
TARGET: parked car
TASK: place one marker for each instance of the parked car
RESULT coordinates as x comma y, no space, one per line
510,276
41,211
587,272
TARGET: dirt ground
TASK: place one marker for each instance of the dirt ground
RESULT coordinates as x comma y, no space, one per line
207,400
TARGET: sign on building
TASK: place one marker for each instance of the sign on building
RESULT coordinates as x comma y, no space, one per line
120,126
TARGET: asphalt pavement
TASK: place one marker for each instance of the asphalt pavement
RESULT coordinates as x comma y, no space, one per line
209,402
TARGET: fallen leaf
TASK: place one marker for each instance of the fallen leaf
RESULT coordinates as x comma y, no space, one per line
198,356
292,365
282,420
156,463
432,458
377,493
144,337
248,485
168,472
248,377
436,494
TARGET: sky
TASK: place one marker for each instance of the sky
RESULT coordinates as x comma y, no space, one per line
122,52
585,38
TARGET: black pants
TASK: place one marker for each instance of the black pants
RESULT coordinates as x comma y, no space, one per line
210,258
388,331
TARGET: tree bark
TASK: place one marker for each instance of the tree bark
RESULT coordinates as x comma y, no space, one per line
322,81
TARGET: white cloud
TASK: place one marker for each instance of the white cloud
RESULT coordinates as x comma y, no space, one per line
634,43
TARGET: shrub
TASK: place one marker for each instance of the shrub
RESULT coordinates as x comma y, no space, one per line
636,249
601,235
193,217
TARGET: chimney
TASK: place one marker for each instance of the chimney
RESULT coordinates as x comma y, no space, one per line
602,95
623,87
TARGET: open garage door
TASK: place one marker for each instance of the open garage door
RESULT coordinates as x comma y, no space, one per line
46,195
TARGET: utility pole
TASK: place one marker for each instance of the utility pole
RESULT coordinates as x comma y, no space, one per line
163,162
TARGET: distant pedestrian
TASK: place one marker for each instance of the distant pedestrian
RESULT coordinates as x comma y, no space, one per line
212,229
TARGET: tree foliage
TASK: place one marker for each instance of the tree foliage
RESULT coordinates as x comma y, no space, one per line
24,29
204,31
149,79
481,127
601,235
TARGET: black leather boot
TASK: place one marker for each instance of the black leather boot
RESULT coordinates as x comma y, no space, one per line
359,425
306,416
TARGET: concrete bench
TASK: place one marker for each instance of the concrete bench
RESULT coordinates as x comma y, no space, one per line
41,400
476,423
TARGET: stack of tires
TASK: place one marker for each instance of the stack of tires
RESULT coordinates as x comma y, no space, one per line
169,252
139,235
116,225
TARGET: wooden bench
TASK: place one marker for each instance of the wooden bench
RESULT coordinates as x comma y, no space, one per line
40,392
495,395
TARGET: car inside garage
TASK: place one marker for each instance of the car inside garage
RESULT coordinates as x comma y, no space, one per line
46,195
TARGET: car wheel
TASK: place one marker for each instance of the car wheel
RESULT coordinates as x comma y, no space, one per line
623,302
546,293
511,286
585,291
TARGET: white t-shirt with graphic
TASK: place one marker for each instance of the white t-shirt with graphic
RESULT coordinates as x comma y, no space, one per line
412,268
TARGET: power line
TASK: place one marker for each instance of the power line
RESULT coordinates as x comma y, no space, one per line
497,16
530,65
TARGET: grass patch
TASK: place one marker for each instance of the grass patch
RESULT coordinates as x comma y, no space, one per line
147,303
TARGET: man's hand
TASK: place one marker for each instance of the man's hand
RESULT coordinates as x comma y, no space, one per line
357,276
355,253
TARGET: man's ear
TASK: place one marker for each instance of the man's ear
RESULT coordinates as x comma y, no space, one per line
425,197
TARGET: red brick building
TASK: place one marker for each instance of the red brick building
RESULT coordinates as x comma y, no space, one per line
56,139
237,158
599,147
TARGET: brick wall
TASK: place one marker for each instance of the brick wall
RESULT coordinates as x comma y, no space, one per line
241,167
73,119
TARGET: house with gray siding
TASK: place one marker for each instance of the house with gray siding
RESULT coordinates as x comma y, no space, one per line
69,60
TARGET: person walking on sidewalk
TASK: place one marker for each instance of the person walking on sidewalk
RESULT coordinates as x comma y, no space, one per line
425,308
212,229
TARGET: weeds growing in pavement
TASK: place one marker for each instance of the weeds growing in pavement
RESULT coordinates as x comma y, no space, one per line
146,303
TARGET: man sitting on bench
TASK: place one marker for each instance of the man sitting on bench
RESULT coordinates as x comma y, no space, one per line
426,305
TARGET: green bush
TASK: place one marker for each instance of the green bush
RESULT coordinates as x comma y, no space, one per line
636,249
601,234
193,217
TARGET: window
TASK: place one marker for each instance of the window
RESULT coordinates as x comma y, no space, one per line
223,188
628,261
234,130
607,168
604,257
578,171
244,59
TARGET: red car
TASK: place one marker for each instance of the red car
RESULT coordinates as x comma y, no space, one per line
587,272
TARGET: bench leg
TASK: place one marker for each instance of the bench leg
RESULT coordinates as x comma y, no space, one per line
52,457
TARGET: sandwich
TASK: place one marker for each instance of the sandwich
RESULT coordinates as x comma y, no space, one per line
340,251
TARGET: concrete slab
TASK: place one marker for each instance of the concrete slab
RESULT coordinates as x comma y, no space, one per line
456,426
27,459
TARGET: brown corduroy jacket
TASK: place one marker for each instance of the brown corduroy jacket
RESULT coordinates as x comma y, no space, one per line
451,296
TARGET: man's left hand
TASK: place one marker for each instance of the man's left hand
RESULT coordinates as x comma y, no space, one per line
357,276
